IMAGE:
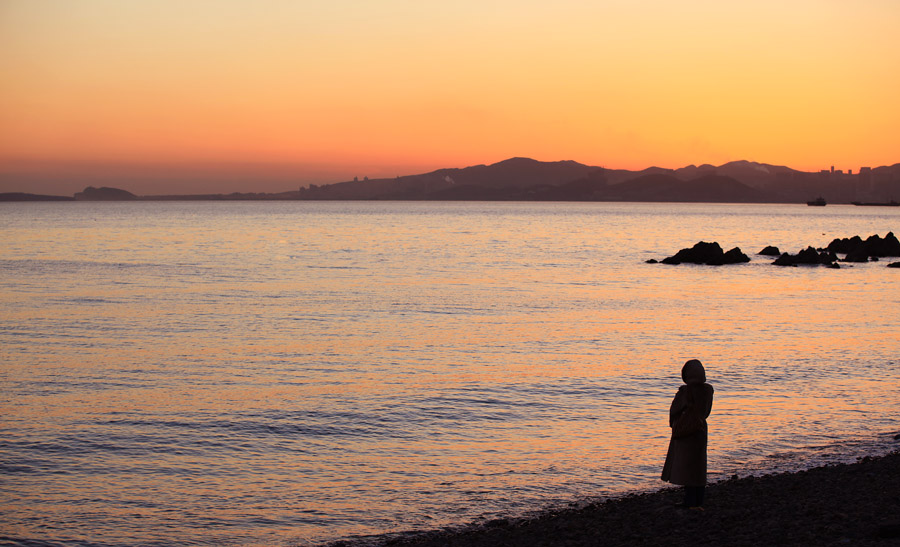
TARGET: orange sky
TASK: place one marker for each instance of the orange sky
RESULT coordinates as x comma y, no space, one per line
169,96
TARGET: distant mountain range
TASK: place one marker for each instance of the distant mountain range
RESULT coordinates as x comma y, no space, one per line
524,179
531,180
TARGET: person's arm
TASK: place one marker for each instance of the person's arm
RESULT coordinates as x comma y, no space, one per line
709,399
679,403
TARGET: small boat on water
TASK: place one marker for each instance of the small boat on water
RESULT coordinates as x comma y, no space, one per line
891,203
818,202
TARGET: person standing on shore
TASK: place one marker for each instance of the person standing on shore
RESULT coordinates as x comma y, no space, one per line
686,458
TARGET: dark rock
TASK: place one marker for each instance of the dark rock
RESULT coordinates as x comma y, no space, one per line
707,253
770,251
653,261
785,260
894,265
812,256
858,250
845,245
857,255
807,256
701,253
735,256
888,246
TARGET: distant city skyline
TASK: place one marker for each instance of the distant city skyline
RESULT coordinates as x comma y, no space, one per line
208,95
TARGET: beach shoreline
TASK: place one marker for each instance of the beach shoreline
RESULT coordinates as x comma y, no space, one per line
841,504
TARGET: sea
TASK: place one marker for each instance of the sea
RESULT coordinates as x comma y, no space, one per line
270,373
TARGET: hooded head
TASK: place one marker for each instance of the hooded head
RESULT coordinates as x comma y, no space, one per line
692,372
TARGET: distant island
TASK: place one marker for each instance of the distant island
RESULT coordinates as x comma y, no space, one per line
524,179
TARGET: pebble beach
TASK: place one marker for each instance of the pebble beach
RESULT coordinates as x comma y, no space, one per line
847,504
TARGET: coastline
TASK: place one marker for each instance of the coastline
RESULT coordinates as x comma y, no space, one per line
843,504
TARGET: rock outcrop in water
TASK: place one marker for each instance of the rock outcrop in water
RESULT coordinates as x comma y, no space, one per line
858,250
854,249
808,256
710,254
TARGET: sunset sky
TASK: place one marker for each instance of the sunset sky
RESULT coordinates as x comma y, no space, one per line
185,96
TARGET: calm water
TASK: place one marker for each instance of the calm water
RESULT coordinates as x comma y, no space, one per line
282,373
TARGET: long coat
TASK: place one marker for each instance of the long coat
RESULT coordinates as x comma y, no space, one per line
686,458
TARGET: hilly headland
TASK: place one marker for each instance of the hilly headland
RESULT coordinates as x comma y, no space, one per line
525,179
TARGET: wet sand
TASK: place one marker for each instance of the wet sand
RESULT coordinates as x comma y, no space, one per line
848,504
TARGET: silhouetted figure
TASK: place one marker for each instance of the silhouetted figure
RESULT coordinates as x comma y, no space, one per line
686,458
